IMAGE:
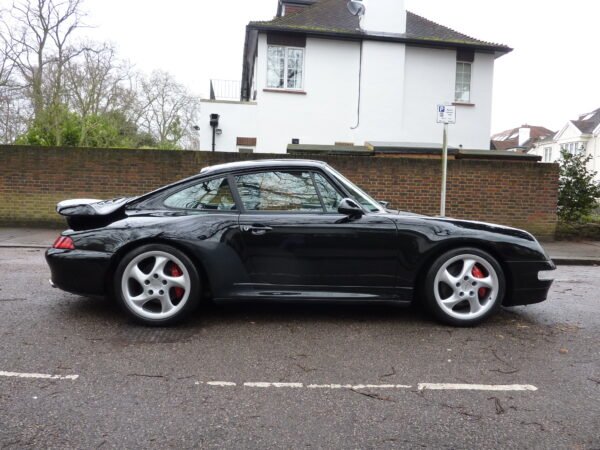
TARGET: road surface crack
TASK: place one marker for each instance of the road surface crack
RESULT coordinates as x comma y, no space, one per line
374,396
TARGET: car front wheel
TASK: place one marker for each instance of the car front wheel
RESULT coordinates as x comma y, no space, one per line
157,285
464,287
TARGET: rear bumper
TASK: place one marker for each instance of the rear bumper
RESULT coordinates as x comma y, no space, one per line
525,286
79,271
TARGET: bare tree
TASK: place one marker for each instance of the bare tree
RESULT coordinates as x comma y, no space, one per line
167,110
11,102
38,37
55,90
98,83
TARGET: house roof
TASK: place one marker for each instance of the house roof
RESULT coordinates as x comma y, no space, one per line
588,122
509,139
332,18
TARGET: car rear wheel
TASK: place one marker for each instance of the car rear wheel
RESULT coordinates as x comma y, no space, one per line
464,287
157,285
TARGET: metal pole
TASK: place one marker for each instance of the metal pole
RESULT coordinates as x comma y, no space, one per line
444,171
214,130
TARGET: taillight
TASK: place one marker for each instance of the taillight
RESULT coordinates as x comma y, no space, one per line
64,243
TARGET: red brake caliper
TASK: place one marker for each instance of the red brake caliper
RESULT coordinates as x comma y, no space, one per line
177,272
478,273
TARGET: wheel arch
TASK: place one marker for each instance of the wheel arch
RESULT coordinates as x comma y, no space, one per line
446,246
130,246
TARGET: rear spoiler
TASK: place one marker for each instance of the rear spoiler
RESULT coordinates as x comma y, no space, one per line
86,213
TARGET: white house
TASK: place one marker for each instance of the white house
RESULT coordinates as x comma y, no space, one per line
317,74
577,136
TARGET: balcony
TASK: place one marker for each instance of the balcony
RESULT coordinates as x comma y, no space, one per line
228,90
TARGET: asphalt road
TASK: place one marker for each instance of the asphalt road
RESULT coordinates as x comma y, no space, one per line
127,386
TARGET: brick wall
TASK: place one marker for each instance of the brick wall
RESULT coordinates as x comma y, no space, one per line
521,194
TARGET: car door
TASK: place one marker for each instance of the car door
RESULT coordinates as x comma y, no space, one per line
296,244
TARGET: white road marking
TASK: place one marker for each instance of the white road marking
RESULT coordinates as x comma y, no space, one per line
358,386
476,387
39,376
420,386
220,383
277,385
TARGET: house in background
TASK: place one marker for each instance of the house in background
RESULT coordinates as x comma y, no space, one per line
520,139
317,74
577,136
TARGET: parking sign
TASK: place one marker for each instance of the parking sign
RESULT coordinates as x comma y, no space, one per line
446,114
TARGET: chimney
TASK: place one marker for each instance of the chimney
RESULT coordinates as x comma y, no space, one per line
285,8
384,16
524,134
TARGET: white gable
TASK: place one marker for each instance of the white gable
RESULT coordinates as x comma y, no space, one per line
568,132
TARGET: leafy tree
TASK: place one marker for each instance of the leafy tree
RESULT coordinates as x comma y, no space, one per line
55,126
104,130
578,193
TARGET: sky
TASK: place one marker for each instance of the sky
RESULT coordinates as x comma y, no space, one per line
551,76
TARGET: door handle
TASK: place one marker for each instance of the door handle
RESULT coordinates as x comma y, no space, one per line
256,230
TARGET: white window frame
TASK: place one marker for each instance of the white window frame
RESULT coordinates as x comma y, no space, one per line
285,68
574,148
466,63
547,154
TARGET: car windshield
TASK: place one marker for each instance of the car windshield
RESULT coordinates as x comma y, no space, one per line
358,194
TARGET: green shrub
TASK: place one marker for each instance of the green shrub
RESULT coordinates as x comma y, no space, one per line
578,193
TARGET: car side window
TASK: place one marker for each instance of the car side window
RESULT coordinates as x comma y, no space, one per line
278,191
206,195
331,197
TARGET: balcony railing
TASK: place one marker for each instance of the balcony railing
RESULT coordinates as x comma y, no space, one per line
225,90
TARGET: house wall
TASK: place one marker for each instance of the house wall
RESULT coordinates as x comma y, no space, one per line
538,150
430,80
238,119
382,96
521,194
400,88
593,149
327,110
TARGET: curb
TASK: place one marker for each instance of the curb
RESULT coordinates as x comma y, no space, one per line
43,247
574,261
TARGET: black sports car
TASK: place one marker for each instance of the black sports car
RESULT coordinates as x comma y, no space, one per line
288,230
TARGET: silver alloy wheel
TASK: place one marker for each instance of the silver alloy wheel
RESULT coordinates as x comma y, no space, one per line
149,291
458,291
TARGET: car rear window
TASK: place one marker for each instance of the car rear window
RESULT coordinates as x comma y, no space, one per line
206,195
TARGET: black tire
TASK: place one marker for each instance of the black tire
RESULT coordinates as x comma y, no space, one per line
491,304
191,296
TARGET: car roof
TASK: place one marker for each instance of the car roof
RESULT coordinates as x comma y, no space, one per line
262,163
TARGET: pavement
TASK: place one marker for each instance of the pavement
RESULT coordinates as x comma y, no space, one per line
76,373
561,252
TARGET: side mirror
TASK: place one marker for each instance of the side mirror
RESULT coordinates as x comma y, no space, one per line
384,203
350,208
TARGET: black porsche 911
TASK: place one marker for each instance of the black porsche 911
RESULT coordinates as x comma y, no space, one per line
288,230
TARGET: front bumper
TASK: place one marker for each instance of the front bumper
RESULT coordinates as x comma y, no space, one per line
79,271
525,288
